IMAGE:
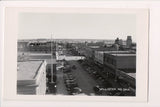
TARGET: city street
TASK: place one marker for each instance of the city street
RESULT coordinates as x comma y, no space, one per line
84,80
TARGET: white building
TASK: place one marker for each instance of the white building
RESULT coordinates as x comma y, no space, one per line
31,77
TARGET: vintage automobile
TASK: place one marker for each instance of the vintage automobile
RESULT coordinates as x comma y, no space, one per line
74,67
51,87
76,91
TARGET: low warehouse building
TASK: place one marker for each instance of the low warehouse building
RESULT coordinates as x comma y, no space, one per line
115,60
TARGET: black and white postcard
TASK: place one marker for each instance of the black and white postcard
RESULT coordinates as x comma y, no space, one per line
89,54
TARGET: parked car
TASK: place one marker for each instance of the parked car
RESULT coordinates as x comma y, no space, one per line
69,81
76,91
52,87
66,70
94,72
80,61
74,67
71,84
68,76
97,76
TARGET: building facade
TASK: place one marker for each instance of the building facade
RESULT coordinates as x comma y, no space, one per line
115,60
122,66
100,57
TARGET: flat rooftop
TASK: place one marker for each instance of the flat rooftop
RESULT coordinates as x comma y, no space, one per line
132,74
27,70
115,52
123,54
42,56
122,73
51,61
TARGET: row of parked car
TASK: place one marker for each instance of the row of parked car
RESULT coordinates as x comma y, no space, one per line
71,84
68,68
95,74
101,89
103,82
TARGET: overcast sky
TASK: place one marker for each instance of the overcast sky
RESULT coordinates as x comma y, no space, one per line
76,26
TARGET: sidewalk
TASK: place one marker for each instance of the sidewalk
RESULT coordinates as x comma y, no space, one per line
61,88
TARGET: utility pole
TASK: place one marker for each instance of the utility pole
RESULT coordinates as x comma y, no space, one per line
52,85
51,61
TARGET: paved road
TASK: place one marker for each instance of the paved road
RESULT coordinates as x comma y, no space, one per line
84,80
